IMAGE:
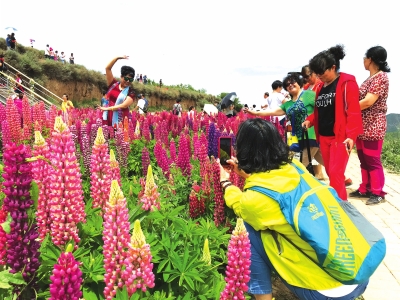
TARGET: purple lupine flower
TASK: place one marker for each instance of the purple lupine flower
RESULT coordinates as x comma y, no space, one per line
22,244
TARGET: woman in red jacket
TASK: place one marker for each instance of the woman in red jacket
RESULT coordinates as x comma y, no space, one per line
337,115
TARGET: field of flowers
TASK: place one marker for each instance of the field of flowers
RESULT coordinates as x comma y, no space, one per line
133,212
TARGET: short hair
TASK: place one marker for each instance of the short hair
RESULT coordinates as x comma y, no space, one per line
266,94
326,59
276,84
260,148
291,78
127,70
378,55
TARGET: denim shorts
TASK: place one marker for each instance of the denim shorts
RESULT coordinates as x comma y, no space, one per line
260,276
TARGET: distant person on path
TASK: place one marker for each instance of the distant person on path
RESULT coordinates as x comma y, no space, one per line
120,94
72,59
265,103
8,42
337,115
141,105
13,41
276,99
18,81
177,108
373,96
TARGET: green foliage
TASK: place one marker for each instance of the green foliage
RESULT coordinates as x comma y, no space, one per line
391,152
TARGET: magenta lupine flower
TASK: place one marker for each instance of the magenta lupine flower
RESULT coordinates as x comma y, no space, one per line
5,133
183,160
41,175
85,147
172,152
115,172
238,268
219,214
150,196
145,160
66,279
3,237
22,244
14,121
146,130
116,240
100,171
67,206
138,273
162,159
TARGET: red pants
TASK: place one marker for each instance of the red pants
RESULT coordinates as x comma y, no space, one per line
335,156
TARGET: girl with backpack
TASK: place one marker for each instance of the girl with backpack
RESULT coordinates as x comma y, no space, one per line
263,160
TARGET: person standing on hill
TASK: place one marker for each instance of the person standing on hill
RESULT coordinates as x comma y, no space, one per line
373,96
72,59
120,94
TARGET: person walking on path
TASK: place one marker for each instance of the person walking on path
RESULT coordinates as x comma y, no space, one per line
337,115
373,96
120,94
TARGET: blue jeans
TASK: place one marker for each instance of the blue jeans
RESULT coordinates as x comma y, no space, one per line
260,276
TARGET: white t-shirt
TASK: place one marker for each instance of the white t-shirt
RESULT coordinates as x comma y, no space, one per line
141,104
274,101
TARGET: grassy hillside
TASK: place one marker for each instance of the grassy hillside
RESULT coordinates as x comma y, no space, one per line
32,62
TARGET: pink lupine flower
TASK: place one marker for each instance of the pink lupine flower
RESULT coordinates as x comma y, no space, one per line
3,237
183,160
100,171
66,278
150,196
145,160
219,214
116,240
115,172
14,121
6,133
67,207
238,268
138,273
41,175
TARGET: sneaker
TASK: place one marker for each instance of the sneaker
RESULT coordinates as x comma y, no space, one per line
358,194
375,199
348,182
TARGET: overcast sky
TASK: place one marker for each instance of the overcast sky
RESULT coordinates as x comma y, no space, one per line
221,46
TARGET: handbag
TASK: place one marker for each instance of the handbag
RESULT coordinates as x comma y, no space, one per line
305,140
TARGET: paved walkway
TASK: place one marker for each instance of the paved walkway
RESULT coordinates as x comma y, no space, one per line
385,283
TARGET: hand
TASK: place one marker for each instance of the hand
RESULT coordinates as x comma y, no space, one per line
349,144
233,162
306,124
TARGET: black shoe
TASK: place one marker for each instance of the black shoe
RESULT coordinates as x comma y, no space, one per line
358,194
375,199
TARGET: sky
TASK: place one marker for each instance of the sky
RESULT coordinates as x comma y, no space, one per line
220,46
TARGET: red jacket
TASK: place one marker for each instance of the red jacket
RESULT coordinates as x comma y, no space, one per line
348,121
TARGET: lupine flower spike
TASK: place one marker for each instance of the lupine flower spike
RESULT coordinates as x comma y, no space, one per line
66,279
116,240
150,196
138,273
238,269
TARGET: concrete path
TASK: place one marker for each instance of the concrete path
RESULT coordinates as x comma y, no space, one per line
385,282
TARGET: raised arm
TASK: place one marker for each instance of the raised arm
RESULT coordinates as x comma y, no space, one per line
109,74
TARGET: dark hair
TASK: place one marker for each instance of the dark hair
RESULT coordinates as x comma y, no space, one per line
326,59
266,94
190,108
260,148
378,55
127,70
291,78
276,84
